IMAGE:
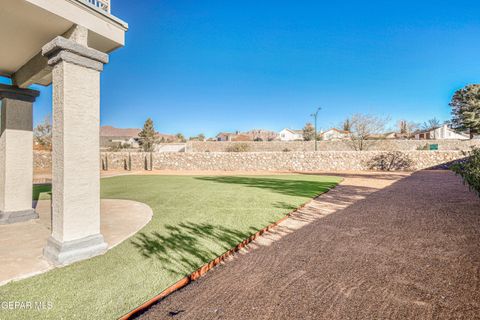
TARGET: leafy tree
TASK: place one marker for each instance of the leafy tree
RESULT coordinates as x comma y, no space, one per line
148,136
181,137
347,126
308,132
117,146
201,137
363,128
42,134
466,109
469,169
238,147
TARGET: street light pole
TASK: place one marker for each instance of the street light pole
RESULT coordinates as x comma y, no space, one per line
315,116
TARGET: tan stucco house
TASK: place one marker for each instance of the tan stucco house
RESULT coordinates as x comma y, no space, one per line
335,134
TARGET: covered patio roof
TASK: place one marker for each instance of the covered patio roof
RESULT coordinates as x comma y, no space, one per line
27,25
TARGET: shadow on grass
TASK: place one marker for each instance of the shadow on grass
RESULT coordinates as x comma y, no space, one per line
299,188
185,248
284,205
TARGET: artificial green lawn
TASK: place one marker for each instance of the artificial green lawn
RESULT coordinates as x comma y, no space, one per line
195,220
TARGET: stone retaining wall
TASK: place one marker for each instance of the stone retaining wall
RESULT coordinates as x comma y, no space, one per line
377,145
42,159
280,161
269,161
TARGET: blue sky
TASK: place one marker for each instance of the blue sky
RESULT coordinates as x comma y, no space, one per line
209,66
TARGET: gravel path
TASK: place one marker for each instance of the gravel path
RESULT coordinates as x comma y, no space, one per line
376,247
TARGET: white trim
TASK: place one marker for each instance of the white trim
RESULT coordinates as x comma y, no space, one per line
103,13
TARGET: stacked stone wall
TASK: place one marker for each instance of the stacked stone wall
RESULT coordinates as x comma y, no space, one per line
339,145
269,161
281,161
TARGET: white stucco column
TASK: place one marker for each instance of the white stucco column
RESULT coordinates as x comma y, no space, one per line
75,158
16,154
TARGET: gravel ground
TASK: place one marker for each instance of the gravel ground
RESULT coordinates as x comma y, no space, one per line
387,247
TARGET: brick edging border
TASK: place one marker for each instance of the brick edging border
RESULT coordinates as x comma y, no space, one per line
212,264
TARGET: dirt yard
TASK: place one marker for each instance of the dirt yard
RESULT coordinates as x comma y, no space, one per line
379,246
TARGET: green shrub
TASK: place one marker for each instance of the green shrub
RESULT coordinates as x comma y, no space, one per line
469,169
422,147
117,146
238,147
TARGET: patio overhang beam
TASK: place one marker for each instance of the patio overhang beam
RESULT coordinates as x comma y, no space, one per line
35,71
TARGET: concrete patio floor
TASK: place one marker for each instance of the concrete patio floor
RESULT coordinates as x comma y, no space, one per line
21,252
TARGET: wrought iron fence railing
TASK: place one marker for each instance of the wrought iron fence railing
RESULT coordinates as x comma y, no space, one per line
101,4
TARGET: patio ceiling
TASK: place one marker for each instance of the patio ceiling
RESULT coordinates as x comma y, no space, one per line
27,25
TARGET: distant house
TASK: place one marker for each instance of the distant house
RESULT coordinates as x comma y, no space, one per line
125,137
261,135
252,135
226,136
390,135
241,137
385,136
335,134
125,141
441,133
402,136
291,135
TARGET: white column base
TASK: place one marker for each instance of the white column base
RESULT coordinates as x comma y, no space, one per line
17,216
67,252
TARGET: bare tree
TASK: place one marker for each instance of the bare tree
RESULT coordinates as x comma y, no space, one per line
431,125
42,134
363,128
406,128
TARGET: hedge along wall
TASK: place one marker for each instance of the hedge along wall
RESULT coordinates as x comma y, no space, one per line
376,145
280,161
